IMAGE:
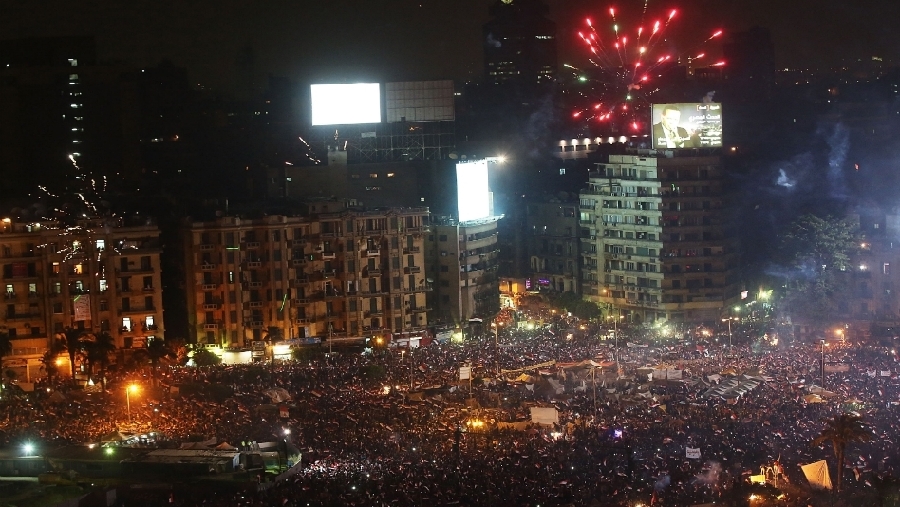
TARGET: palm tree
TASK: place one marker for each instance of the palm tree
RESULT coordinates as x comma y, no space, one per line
156,350
57,345
96,350
5,345
72,338
842,430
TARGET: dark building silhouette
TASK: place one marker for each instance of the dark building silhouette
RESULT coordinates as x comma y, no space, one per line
750,69
519,43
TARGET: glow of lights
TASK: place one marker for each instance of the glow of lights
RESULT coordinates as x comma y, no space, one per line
28,449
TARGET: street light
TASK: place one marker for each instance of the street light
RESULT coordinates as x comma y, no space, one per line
823,363
132,388
497,344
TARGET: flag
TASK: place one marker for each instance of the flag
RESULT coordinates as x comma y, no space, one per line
692,453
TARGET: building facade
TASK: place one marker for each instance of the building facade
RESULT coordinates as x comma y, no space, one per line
553,245
99,276
463,259
337,271
653,243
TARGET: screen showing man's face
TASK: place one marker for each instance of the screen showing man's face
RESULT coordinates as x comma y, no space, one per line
670,119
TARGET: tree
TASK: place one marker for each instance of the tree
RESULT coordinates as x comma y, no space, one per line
72,339
841,431
49,358
204,357
5,345
156,350
816,250
96,350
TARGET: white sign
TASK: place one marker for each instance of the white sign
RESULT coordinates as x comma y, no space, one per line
465,372
82,305
544,415
692,453
885,373
473,195
344,104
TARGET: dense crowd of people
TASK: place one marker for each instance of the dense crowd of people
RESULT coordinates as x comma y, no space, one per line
392,427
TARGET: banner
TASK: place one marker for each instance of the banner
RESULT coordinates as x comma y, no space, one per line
817,474
465,372
837,368
885,373
82,306
692,453
544,415
532,367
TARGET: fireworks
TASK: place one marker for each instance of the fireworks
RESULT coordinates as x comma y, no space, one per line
624,64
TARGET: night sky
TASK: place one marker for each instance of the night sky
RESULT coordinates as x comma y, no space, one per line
424,39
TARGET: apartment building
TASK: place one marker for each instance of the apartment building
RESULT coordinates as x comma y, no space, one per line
99,276
653,243
337,270
553,246
463,258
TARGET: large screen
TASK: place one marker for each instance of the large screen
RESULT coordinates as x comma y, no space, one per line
687,125
344,104
473,196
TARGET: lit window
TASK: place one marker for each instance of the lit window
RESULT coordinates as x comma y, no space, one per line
73,77
126,324
78,269
103,285
390,175
373,175
148,321
101,244
886,268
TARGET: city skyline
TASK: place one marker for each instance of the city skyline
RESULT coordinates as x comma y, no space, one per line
233,47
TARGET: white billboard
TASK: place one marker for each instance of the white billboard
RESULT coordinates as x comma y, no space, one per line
473,197
345,104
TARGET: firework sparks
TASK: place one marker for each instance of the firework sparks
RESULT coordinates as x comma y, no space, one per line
622,68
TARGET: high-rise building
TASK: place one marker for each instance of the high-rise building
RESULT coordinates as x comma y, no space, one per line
463,259
519,43
336,271
653,242
100,276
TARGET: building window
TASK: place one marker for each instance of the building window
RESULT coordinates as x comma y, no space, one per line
103,285
886,268
101,245
149,321
126,324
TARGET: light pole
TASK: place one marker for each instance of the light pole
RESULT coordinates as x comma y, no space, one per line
132,388
823,363
729,319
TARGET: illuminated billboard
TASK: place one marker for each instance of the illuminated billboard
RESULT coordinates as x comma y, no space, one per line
473,196
687,125
345,104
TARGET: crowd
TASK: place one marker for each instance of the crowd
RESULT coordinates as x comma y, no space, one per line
366,440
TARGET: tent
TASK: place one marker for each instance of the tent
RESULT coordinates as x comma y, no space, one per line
544,415
813,398
814,389
817,474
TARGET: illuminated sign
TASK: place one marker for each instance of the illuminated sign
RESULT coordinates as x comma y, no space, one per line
686,125
345,104
473,196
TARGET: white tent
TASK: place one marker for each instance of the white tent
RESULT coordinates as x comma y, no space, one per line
817,474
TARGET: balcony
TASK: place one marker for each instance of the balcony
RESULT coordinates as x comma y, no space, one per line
373,252
207,267
373,313
301,301
254,285
15,316
210,327
412,269
373,272
127,311
301,320
298,242
253,264
299,262
209,286
206,247
254,304
412,250
10,295
251,244
211,306
328,255
418,309
256,324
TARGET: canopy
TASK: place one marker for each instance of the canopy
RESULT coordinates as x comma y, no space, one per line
817,474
